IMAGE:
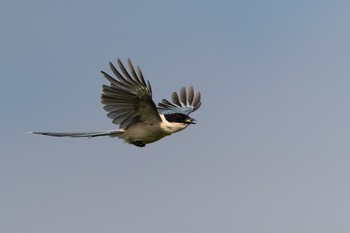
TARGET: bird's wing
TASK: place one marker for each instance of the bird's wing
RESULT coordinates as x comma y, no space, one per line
185,102
128,99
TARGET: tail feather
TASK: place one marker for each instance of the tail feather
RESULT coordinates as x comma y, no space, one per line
111,133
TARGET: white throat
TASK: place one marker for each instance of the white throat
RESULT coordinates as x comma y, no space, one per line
171,127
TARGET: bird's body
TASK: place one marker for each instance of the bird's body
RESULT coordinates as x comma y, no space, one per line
145,132
128,101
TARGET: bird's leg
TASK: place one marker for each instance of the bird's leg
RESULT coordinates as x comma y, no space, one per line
139,144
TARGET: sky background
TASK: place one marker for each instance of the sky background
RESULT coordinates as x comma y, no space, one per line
270,152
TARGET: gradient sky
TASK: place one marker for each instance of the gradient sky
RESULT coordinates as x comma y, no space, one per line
270,152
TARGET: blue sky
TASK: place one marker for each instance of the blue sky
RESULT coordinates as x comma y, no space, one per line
270,152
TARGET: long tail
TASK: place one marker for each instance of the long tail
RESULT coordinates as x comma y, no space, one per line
111,133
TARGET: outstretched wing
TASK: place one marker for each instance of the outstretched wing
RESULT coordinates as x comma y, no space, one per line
128,99
185,102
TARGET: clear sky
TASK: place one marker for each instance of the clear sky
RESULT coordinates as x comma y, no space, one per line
270,152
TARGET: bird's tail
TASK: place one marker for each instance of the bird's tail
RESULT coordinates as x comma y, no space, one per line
111,133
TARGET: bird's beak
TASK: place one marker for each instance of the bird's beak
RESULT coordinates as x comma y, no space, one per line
190,121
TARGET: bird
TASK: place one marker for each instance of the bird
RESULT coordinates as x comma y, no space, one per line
128,101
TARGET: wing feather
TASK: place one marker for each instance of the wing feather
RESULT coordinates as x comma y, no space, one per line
128,99
183,95
175,99
190,95
126,76
196,103
189,101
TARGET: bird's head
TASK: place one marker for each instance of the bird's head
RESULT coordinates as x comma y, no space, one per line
175,122
179,118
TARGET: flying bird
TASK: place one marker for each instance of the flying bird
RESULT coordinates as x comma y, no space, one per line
128,101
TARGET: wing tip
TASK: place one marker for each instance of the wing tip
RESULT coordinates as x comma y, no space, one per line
186,100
